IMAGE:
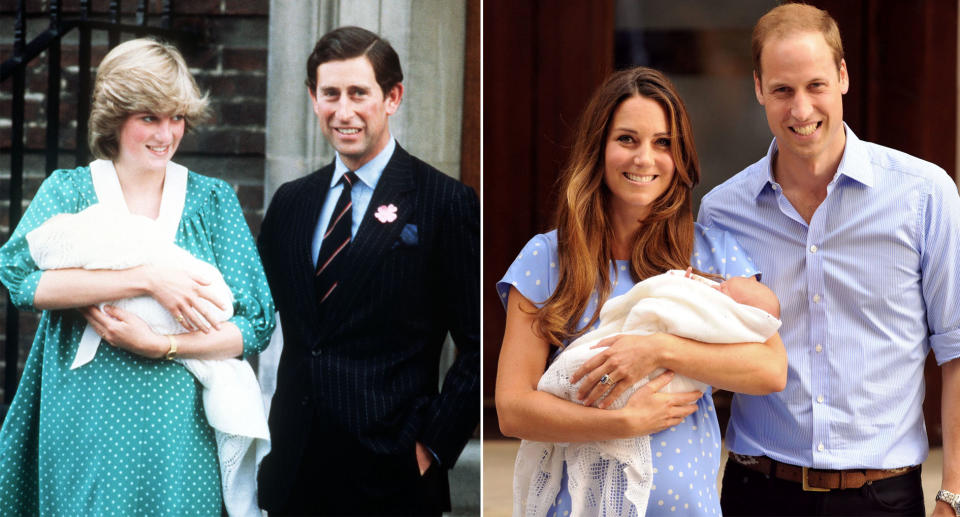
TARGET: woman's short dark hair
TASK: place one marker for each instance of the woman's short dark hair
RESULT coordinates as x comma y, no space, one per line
350,42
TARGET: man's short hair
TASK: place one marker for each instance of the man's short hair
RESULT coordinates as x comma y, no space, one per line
350,42
793,18
141,76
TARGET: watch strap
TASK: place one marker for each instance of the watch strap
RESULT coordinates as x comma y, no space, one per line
172,353
950,498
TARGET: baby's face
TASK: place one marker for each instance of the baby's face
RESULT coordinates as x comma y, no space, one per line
739,288
749,291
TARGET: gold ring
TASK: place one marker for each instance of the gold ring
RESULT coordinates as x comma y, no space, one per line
180,318
605,379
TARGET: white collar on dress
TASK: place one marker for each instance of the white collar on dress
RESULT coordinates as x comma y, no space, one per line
107,186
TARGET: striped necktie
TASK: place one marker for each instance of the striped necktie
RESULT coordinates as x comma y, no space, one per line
331,261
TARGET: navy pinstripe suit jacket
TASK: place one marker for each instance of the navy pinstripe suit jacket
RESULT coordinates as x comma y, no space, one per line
368,361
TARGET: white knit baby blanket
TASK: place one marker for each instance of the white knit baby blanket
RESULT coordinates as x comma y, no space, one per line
613,477
107,236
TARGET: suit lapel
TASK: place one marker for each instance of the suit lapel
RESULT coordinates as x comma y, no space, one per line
310,202
375,237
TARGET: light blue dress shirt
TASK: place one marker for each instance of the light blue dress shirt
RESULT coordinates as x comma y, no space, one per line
866,289
360,194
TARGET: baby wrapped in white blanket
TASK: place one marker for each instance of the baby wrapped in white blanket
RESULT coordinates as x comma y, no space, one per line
103,238
670,303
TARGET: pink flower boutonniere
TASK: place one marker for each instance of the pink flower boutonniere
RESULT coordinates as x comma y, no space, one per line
386,213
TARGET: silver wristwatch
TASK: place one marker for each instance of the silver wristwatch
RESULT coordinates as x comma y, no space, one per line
950,498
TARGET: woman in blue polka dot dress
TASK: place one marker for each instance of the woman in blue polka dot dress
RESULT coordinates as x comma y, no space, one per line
126,434
625,215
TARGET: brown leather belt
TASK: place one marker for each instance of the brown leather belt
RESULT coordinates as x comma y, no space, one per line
817,480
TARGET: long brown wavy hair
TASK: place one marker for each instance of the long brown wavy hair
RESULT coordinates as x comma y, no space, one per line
584,233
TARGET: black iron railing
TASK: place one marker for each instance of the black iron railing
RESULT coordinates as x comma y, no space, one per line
15,68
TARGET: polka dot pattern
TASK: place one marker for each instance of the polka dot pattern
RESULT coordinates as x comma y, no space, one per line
685,457
123,435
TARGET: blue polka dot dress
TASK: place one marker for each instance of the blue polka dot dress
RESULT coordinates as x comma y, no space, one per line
685,457
122,435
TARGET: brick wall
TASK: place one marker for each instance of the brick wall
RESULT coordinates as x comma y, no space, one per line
229,61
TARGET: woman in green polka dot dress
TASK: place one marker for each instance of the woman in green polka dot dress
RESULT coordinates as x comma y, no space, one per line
126,434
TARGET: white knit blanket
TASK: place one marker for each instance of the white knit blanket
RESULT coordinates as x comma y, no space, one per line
613,477
107,236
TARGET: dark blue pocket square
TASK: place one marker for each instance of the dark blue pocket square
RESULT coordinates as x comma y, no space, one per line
408,237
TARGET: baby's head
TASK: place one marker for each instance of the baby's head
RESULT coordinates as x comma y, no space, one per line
748,291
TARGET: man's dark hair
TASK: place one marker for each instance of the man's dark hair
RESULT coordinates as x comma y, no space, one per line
350,42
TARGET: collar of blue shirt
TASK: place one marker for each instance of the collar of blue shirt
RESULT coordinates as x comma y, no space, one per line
371,171
855,164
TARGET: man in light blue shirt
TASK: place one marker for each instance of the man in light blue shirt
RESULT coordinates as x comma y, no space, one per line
862,245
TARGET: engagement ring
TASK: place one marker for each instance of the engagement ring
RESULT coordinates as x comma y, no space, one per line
606,380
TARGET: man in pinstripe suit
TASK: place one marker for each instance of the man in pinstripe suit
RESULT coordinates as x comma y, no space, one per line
861,243
358,424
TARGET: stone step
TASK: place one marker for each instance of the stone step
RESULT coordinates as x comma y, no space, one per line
465,482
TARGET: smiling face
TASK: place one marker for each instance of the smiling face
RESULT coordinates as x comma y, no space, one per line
147,141
638,161
801,91
353,110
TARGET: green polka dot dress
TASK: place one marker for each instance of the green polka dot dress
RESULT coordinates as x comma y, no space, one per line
122,435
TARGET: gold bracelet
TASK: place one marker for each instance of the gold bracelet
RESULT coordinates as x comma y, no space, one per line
172,353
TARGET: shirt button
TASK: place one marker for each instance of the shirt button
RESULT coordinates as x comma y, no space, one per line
820,399
820,447
813,248
775,187
816,298
819,348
